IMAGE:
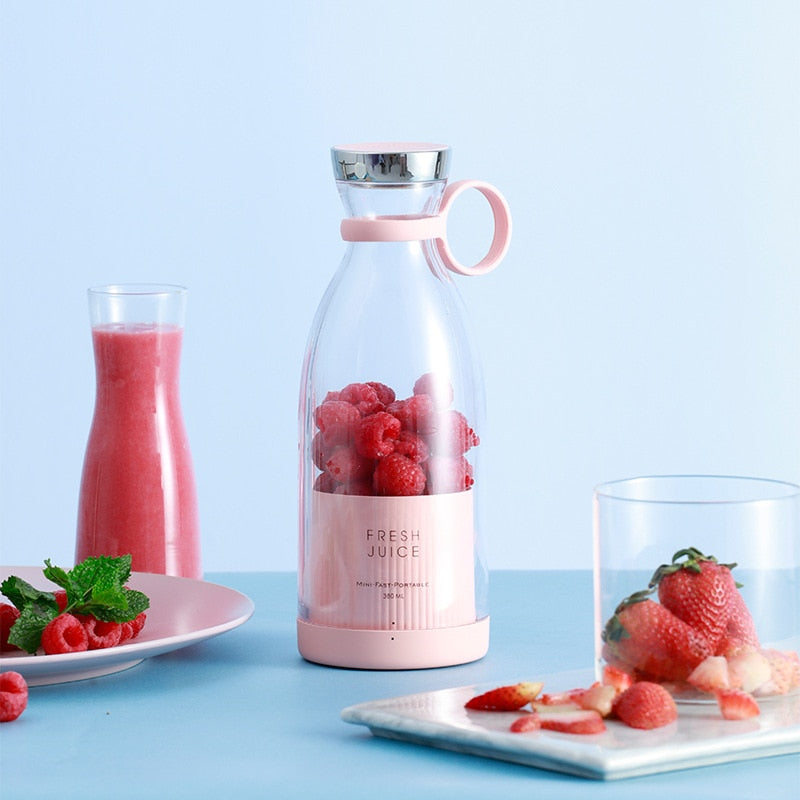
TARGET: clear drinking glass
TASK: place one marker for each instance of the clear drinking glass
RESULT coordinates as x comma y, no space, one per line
640,523
137,490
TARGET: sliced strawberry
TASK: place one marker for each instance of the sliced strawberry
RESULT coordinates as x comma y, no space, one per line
710,674
598,698
506,698
736,704
527,724
569,721
616,677
570,697
646,705
748,670
785,666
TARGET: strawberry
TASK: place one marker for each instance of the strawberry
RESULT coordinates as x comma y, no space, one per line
570,697
598,698
646,705
748,670
569,721
527,724
648,638
785,666
618,678
736,704
740,630
506,698
698,590
710,674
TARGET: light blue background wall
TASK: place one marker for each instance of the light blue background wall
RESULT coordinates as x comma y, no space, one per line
645,320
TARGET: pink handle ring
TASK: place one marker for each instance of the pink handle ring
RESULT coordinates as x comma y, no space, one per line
502,228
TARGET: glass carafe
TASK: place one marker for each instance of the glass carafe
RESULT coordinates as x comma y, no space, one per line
391,566
138,491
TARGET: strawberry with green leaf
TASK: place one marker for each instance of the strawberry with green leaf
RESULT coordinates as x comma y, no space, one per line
645,638
700,591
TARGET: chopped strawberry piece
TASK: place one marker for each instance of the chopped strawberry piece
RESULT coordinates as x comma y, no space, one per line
571,697
527,724
505,698
785,666
736,704
13,695
710,674
645,706
618,678
598,698
748,670
578,721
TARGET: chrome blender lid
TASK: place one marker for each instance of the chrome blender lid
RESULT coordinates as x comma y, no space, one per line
390,162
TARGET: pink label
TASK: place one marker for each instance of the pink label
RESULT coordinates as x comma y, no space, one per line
391,563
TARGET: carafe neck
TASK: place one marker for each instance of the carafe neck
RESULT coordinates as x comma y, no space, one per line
389,200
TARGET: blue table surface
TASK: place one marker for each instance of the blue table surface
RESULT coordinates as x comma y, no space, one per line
243,715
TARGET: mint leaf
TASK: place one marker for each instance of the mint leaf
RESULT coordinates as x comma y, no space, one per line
96,586
21,593
26,632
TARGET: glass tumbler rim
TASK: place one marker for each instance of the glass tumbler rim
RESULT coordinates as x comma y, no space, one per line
140,289
623,489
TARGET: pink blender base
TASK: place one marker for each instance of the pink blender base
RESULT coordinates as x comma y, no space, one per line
381,649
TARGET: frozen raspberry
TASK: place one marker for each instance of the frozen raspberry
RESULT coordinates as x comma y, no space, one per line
345,465
319,451
13,695
453,435
446,474
385,393
363,396
437,387
64,634
412,446
324,483
336,419
398,476
416,414
102,634
376,435
8,616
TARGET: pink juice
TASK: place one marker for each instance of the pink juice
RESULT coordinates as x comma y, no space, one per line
137,490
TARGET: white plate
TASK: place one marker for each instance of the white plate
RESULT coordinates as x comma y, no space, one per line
700,736
182,612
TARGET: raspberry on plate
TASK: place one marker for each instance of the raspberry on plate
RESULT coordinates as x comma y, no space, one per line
8,616
64,634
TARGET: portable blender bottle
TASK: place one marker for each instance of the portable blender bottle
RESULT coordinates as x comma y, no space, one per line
391,572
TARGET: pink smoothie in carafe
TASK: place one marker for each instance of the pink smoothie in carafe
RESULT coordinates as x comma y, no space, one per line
137,491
